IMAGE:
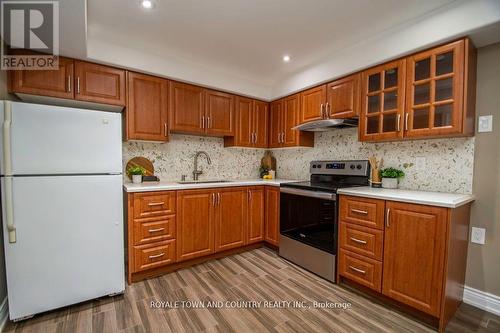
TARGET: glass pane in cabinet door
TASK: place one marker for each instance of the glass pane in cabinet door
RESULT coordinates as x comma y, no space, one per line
390,100
444,89
373,103
443,115
389,122
391,78
420,118
423,69
374,82
444,63
422,94
372,125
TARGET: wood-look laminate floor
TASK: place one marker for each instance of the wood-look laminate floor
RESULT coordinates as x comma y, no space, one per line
258,275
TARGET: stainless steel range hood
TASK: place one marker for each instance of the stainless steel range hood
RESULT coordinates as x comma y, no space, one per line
327,124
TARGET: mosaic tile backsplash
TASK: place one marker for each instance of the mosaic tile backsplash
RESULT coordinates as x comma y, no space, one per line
448,162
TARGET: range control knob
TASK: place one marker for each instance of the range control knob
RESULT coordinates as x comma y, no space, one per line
314,166
352,166
359,166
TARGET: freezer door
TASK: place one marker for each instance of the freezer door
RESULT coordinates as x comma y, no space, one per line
70,242
46,140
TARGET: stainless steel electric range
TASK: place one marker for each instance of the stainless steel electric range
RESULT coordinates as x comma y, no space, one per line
309,214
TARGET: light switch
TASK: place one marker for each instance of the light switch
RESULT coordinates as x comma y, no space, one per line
485,124
478,235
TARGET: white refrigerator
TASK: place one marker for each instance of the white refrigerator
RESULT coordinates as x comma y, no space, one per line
62,205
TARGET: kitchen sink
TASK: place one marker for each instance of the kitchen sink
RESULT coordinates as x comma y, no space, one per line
203,181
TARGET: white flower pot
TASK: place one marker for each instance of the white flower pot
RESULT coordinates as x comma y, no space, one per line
136,179
390,182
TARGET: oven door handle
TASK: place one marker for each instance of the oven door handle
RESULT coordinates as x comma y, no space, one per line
312,194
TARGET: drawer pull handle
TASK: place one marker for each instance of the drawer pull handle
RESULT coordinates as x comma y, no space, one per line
358,240
156,203
364,212
157,255
357,270
156,230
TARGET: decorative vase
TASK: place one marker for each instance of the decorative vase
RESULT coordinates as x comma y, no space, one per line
136,179
390,182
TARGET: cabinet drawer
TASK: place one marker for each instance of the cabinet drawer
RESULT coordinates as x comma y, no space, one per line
362,270
362,211
154,255
154,204
362,240
154,230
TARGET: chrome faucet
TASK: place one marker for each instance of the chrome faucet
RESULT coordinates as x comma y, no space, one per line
196,172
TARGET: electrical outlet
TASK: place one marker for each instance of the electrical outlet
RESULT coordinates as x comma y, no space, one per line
420,163
485,124
478,235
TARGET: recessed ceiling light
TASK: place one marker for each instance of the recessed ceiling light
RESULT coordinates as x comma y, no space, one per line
286,58
148,4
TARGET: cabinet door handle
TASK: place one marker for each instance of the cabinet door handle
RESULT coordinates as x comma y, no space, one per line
406,121
78,85
218,198
213,199
387,218
165,129
156,230
156,203
157,255
358,211
357,270
209,123
358,240
283,137
69,83
327,107
398,122
203,122
322,111
249,195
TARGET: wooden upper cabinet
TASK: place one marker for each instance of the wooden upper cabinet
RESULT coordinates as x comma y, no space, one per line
272,227
414,255
343,97
187,108
256,214
313,103
435,91
275,123
195,223
53,83
146,113
99,83
291,108
230,218
244,122
261,124
219,113
382,104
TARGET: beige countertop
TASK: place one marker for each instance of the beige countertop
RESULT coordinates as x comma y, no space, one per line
171,185
450,200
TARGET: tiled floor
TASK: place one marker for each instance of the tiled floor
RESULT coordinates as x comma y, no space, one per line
258,275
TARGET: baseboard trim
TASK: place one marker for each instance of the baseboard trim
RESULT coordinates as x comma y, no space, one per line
482,300
4,313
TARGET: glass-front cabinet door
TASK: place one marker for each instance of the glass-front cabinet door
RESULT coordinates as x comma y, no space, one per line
382,106
435,91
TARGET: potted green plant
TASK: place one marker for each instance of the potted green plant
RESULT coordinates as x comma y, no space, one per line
136,172
390,177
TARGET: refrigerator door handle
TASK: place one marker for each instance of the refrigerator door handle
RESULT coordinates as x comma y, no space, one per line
9,210
7,124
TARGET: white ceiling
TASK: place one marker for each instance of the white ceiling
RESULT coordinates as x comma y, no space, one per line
237,45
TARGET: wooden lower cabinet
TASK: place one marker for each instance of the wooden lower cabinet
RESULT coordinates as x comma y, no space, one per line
417,258
195,227
230,218
256,214
272,230
414,255
174,227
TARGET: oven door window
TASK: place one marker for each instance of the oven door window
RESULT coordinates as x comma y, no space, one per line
309,220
